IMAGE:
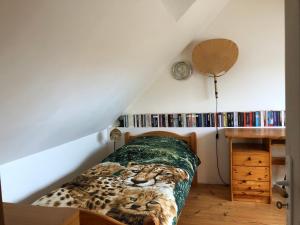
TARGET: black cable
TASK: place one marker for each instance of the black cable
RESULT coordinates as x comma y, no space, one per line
217,132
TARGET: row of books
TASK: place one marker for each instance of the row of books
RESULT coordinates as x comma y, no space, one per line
222,119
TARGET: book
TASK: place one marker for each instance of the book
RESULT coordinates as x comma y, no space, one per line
219,120
170,120
257,119
163,120
199,120
270,118
229,119
179,120
154,120
183,119
212,118
235,121
224,120
240,119
175,120
207,119
194,120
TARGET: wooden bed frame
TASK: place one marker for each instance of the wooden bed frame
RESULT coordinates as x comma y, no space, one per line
89,218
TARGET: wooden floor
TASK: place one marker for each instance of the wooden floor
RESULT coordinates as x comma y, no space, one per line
209,205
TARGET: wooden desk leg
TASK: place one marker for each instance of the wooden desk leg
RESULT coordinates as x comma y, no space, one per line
270,155
230,164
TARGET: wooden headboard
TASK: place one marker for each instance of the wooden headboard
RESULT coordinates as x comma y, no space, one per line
190,139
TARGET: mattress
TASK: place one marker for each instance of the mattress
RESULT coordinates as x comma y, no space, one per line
150,176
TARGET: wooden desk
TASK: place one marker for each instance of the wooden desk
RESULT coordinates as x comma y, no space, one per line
277,136
251,162
19,214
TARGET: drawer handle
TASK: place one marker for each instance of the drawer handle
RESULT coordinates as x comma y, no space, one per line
249,158
259,161
250,173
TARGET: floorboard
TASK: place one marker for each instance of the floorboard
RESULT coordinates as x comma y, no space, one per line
209,205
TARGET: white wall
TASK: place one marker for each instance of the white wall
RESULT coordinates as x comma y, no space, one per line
177,8
28,178
256,82
68,68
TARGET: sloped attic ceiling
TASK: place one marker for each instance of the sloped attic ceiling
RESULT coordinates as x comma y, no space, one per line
68,68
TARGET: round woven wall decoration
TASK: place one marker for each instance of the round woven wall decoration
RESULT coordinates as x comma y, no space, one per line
215,57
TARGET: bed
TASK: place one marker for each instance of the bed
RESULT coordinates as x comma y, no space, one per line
144,182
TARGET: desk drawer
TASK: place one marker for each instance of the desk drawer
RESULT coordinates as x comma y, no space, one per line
250,173
252,193
252,196
240,158
244,185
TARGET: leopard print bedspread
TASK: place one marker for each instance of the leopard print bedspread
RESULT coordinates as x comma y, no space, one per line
127,194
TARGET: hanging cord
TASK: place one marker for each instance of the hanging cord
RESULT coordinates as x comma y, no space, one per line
217,131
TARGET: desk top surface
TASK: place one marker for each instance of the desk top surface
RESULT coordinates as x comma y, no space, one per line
272,133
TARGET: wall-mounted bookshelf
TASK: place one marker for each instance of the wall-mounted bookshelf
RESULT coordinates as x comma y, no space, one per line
222,119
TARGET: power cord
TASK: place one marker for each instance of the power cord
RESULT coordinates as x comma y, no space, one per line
217,131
